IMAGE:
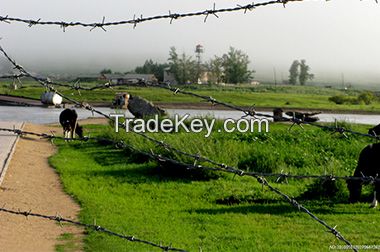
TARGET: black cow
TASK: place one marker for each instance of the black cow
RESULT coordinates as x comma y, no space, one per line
375,131
68,119
368,165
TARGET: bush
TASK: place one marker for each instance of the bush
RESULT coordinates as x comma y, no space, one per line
259,161
324,189
337,99
366,98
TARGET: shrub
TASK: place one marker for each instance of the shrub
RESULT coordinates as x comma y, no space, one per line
259,161
337,99
324,189
366,98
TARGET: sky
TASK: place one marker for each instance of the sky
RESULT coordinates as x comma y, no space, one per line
335,37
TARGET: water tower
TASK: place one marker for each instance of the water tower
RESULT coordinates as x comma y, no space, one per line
199,50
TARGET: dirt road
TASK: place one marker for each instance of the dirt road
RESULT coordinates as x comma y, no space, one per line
31,184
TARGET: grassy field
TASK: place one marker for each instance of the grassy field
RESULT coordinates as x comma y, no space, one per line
197,211
307,97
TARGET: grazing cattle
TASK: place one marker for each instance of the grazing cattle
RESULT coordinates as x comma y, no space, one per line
140,108
375,131
68,119
368,165
277,115
307,117
121,100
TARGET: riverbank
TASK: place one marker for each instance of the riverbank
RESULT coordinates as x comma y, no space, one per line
262,97
7,100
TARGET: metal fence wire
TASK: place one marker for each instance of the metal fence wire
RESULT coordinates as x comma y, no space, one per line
138,19
198,158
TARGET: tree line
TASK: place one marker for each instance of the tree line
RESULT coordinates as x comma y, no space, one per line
231,67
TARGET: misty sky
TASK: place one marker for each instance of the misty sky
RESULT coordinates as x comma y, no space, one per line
338,36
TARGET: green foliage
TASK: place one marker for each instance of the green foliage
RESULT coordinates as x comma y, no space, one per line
183,67
235,65
299,71
294,72
215,68
305,74
268,96
68,242
128,195
151,67
364,98
325,189
343,99
106,71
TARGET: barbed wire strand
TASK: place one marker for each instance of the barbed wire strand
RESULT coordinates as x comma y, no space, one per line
167,146
161,158
97,228
260,179
43,135
247,112
13,76
278,176
52,88
140,19
176,90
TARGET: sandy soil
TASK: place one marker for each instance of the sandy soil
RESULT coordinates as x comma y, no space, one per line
31,184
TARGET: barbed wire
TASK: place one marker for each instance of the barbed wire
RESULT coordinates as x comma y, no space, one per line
94,227
13,76
247,112
260,179
176,90
259,176
140,19
279,176
52,136
197,157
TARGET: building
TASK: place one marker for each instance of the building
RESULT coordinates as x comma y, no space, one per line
169,77
128,78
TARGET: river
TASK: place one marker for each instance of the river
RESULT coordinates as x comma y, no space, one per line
42,115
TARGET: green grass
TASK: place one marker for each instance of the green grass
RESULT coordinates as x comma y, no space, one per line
67,242
306,97
129,194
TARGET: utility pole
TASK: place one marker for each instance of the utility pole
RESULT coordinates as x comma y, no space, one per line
275,76
342,80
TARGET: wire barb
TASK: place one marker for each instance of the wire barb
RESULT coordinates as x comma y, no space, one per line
141,19
58,218
215,165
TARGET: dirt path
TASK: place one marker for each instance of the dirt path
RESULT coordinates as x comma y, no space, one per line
31,184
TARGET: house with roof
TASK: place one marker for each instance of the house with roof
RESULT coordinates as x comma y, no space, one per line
129,78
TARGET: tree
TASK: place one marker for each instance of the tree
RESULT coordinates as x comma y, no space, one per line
106,71
151,67
294,72
235,65
215,68
305,75
184,68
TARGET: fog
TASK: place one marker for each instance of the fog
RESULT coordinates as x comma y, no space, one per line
335,37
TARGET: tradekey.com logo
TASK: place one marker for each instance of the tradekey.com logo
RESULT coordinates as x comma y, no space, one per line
187,124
